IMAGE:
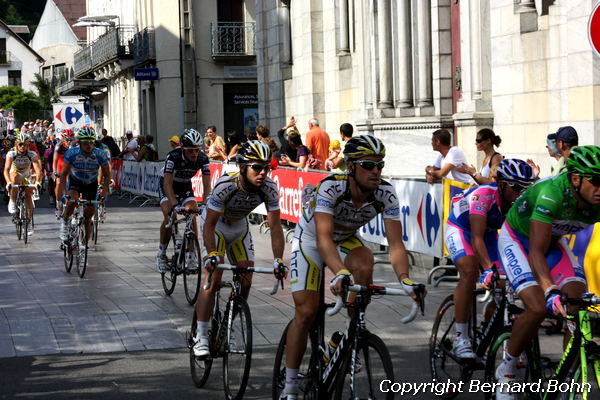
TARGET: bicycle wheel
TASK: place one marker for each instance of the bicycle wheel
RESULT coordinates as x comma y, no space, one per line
238,348
169,277
306,386
578,388
200,368
25,230
191,274
68,255
372,366
82,251
495,355
441,359
95,227
19,220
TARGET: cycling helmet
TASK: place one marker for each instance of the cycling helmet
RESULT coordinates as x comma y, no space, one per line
192,138
22,138
253,151
67,133
584,160
86,133
515,170
362,146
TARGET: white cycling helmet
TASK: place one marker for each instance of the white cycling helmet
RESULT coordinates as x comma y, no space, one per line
192,138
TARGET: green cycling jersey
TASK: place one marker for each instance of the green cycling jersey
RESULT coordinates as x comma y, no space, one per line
551,201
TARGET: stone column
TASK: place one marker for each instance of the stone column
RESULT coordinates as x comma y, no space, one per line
286,40
404,47
526,5
475,36
344,38
425,92
385,58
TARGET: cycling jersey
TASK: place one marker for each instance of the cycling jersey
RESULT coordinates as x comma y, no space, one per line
21,163
84,168
332,196
551,201
229,198
183,170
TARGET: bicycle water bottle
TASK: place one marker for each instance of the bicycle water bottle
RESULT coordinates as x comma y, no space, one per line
332,345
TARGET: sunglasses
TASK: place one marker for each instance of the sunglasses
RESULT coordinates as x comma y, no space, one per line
260,167
22,144
594,180
193,149
480,140
517,187
369,165
86,141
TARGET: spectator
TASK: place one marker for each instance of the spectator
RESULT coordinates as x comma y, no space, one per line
337,163
10,123
334,151
147,151
174,142
552,152
233,140
317,141
262,132
566,138
215,144
282,134
485,141
130,151
274,150
110,143
302,152
447,162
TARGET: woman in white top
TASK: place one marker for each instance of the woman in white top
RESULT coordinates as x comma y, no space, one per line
486,141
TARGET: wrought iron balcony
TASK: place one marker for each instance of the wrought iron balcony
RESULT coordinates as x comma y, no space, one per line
233,40
143,46
5,57
112,45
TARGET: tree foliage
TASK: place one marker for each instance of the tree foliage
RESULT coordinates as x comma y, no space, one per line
47,91
22,12
18,99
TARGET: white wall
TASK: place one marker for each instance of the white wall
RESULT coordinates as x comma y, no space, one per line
21,59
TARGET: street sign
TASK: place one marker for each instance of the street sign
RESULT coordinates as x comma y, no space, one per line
594,29
146,74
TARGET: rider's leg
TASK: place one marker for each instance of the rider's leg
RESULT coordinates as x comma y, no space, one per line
165,233
306,304
88,213
468,269
29,201
204,308
16,179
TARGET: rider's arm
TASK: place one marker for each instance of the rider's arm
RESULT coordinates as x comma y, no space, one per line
64,174
398,256
478,227
7,165
326,246
55,161
168,187
277,240
105,170
208,232
540,236
205,187
37,168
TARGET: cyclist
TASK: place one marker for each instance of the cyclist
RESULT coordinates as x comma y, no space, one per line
17,170
6,146
175,187
64,143
327,235
225,226
541,266
472,236
80,167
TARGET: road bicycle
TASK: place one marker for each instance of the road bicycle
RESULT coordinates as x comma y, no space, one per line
75,247
186,256
98,218
20,218
230,333
360,367
444,364
570,376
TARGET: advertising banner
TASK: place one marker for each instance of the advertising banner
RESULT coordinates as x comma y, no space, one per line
117,169
69,116
132,177
421,215
151,172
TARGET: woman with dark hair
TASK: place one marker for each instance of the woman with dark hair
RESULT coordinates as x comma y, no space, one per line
302,152
486,141
233,140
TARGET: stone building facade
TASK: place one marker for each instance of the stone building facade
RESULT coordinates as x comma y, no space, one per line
401,69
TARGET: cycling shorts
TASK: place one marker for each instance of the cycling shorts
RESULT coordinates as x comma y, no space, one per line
514,249
183,192
88,191
458,243
306,264
233,239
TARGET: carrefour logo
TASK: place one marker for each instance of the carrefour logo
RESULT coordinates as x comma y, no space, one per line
428,218
69,115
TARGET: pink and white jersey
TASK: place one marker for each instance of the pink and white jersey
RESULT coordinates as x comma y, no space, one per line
480,200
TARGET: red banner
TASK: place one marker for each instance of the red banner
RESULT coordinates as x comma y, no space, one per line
117,166
290,183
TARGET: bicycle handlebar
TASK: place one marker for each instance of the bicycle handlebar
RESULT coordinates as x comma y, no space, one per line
229,267
181,210
583,302
488,292
374,289
24,186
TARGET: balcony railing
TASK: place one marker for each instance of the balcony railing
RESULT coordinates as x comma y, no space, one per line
111,45
5,57
233,40
143,46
